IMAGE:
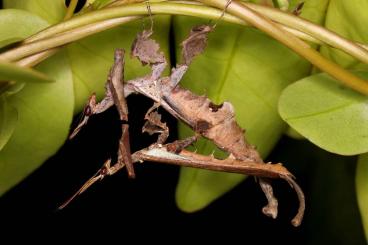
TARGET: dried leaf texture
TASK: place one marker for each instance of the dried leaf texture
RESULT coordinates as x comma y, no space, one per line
195,43
154,125
146,49
205,118
215,122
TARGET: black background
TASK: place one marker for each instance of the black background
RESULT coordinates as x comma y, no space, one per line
144,208
145,204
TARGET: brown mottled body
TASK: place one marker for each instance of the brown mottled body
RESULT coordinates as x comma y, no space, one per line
212,123
204,117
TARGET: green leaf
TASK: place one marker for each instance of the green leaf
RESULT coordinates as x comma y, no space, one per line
13,72
244,68
313,10
92,57
293,134
349,19
361,182
11,88
45,112
8,121
52,11
333,117
293,4
26,24
281,4
250,70
99,3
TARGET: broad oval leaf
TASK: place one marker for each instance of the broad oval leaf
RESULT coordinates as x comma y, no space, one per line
349,19
249,69
361,182
99,3
45,112
8,121
90,61
331,116
16,24
13,72
281,4
52,11
241,69
91,58
314,10
26,25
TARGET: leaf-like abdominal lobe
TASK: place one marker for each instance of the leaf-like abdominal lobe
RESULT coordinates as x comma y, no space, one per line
217,125
147,50
195,43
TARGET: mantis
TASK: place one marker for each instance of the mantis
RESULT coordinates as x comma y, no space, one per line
214,122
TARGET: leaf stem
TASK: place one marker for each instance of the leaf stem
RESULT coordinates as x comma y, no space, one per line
357,50
193,9
306,30
298,26
294,43
47,39
70,10
63,38
37,58
96,21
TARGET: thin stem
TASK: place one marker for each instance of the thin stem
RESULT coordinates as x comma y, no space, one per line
64,38
31,46
192,9
175,8
37,58
123,2
294,43
121,11
297,26
70,10
205,12
312,32
357,50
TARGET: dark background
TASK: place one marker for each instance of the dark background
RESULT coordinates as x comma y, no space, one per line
144,208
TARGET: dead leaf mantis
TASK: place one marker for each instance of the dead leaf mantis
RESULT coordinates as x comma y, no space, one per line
214,122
